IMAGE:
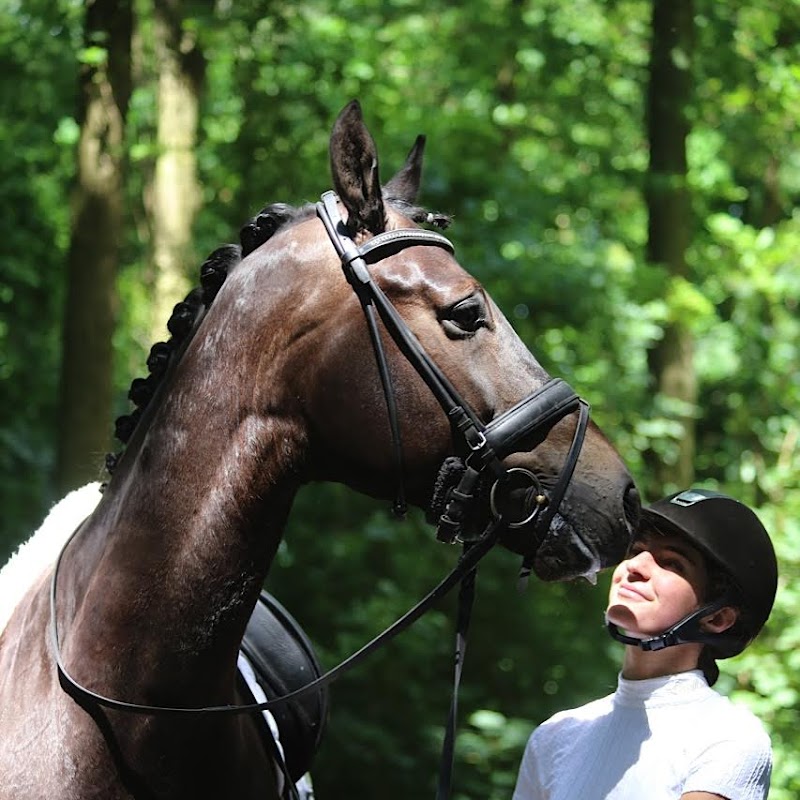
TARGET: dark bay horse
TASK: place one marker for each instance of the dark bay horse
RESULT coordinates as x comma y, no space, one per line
274,384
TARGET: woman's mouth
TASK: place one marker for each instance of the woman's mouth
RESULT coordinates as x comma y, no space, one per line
626,590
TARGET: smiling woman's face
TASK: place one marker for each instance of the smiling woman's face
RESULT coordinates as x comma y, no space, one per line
663,579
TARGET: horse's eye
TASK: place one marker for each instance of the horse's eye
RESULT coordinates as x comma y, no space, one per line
465,317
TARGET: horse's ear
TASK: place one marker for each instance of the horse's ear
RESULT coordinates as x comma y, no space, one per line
405,184
354,167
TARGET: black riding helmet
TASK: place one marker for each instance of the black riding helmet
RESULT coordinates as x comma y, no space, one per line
733,539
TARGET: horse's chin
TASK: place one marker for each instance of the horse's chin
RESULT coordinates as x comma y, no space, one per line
562,556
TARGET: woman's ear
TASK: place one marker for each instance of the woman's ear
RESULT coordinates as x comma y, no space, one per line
720,620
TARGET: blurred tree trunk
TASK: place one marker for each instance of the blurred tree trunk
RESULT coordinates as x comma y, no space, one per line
89,315
772,205
176,195
671,360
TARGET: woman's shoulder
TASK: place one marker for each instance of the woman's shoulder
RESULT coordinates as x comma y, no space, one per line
730,752
724,720
738,715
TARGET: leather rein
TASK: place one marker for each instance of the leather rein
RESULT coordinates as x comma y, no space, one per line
529,420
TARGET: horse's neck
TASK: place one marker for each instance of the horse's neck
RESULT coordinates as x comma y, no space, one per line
166,571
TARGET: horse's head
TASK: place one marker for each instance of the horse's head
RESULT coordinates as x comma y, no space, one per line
307,326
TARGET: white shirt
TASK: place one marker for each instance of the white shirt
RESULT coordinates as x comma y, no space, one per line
654,739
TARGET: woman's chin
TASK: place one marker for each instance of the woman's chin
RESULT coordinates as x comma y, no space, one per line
624,619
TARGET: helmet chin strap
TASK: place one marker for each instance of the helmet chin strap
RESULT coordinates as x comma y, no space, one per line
686,631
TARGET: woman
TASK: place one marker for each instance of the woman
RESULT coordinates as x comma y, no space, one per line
698,584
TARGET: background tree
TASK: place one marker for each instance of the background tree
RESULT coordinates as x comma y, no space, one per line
37,137
175,191
671,358
93,257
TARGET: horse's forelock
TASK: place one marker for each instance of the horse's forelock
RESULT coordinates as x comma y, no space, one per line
419,214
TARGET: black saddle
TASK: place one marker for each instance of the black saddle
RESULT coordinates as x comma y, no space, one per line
283,660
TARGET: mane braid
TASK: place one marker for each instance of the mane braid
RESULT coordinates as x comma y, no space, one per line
213,272
264,224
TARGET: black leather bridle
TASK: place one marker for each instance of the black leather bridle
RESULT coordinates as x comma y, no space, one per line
522,427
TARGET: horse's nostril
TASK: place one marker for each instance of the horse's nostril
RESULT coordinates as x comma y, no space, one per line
632,507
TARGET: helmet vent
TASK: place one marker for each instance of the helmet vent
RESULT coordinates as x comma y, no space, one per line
688,498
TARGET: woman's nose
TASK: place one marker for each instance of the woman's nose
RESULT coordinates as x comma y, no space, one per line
640,564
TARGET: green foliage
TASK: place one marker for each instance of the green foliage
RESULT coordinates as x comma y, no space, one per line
534,115
36,52
765,676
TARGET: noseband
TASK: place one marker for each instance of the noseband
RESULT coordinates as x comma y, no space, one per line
521,428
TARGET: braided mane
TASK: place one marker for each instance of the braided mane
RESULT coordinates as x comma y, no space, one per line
213,272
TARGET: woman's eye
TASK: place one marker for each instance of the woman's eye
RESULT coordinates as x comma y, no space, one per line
465,318
674,565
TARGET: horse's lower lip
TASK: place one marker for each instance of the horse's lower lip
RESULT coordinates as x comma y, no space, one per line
564,555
